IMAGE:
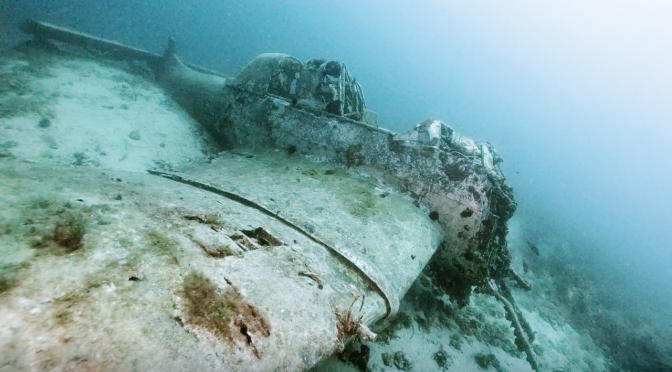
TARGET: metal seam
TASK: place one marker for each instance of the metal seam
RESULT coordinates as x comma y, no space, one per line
368,272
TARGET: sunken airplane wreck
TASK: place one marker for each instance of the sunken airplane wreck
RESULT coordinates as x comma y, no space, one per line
307,229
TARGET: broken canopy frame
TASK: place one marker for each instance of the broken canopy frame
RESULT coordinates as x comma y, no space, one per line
318,84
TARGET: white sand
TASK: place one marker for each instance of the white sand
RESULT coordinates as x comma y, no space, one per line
104,107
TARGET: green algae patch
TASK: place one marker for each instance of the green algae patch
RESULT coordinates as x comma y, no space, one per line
10,275
5,283
397,360
204,307
225,315
442,358
164,246
358,197
51,226
69,231
486,361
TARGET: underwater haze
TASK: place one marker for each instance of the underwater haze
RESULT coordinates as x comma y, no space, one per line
575,95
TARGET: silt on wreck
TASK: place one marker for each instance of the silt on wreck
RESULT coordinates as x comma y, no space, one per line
305,226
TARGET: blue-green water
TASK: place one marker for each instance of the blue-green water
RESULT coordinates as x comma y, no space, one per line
575,96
